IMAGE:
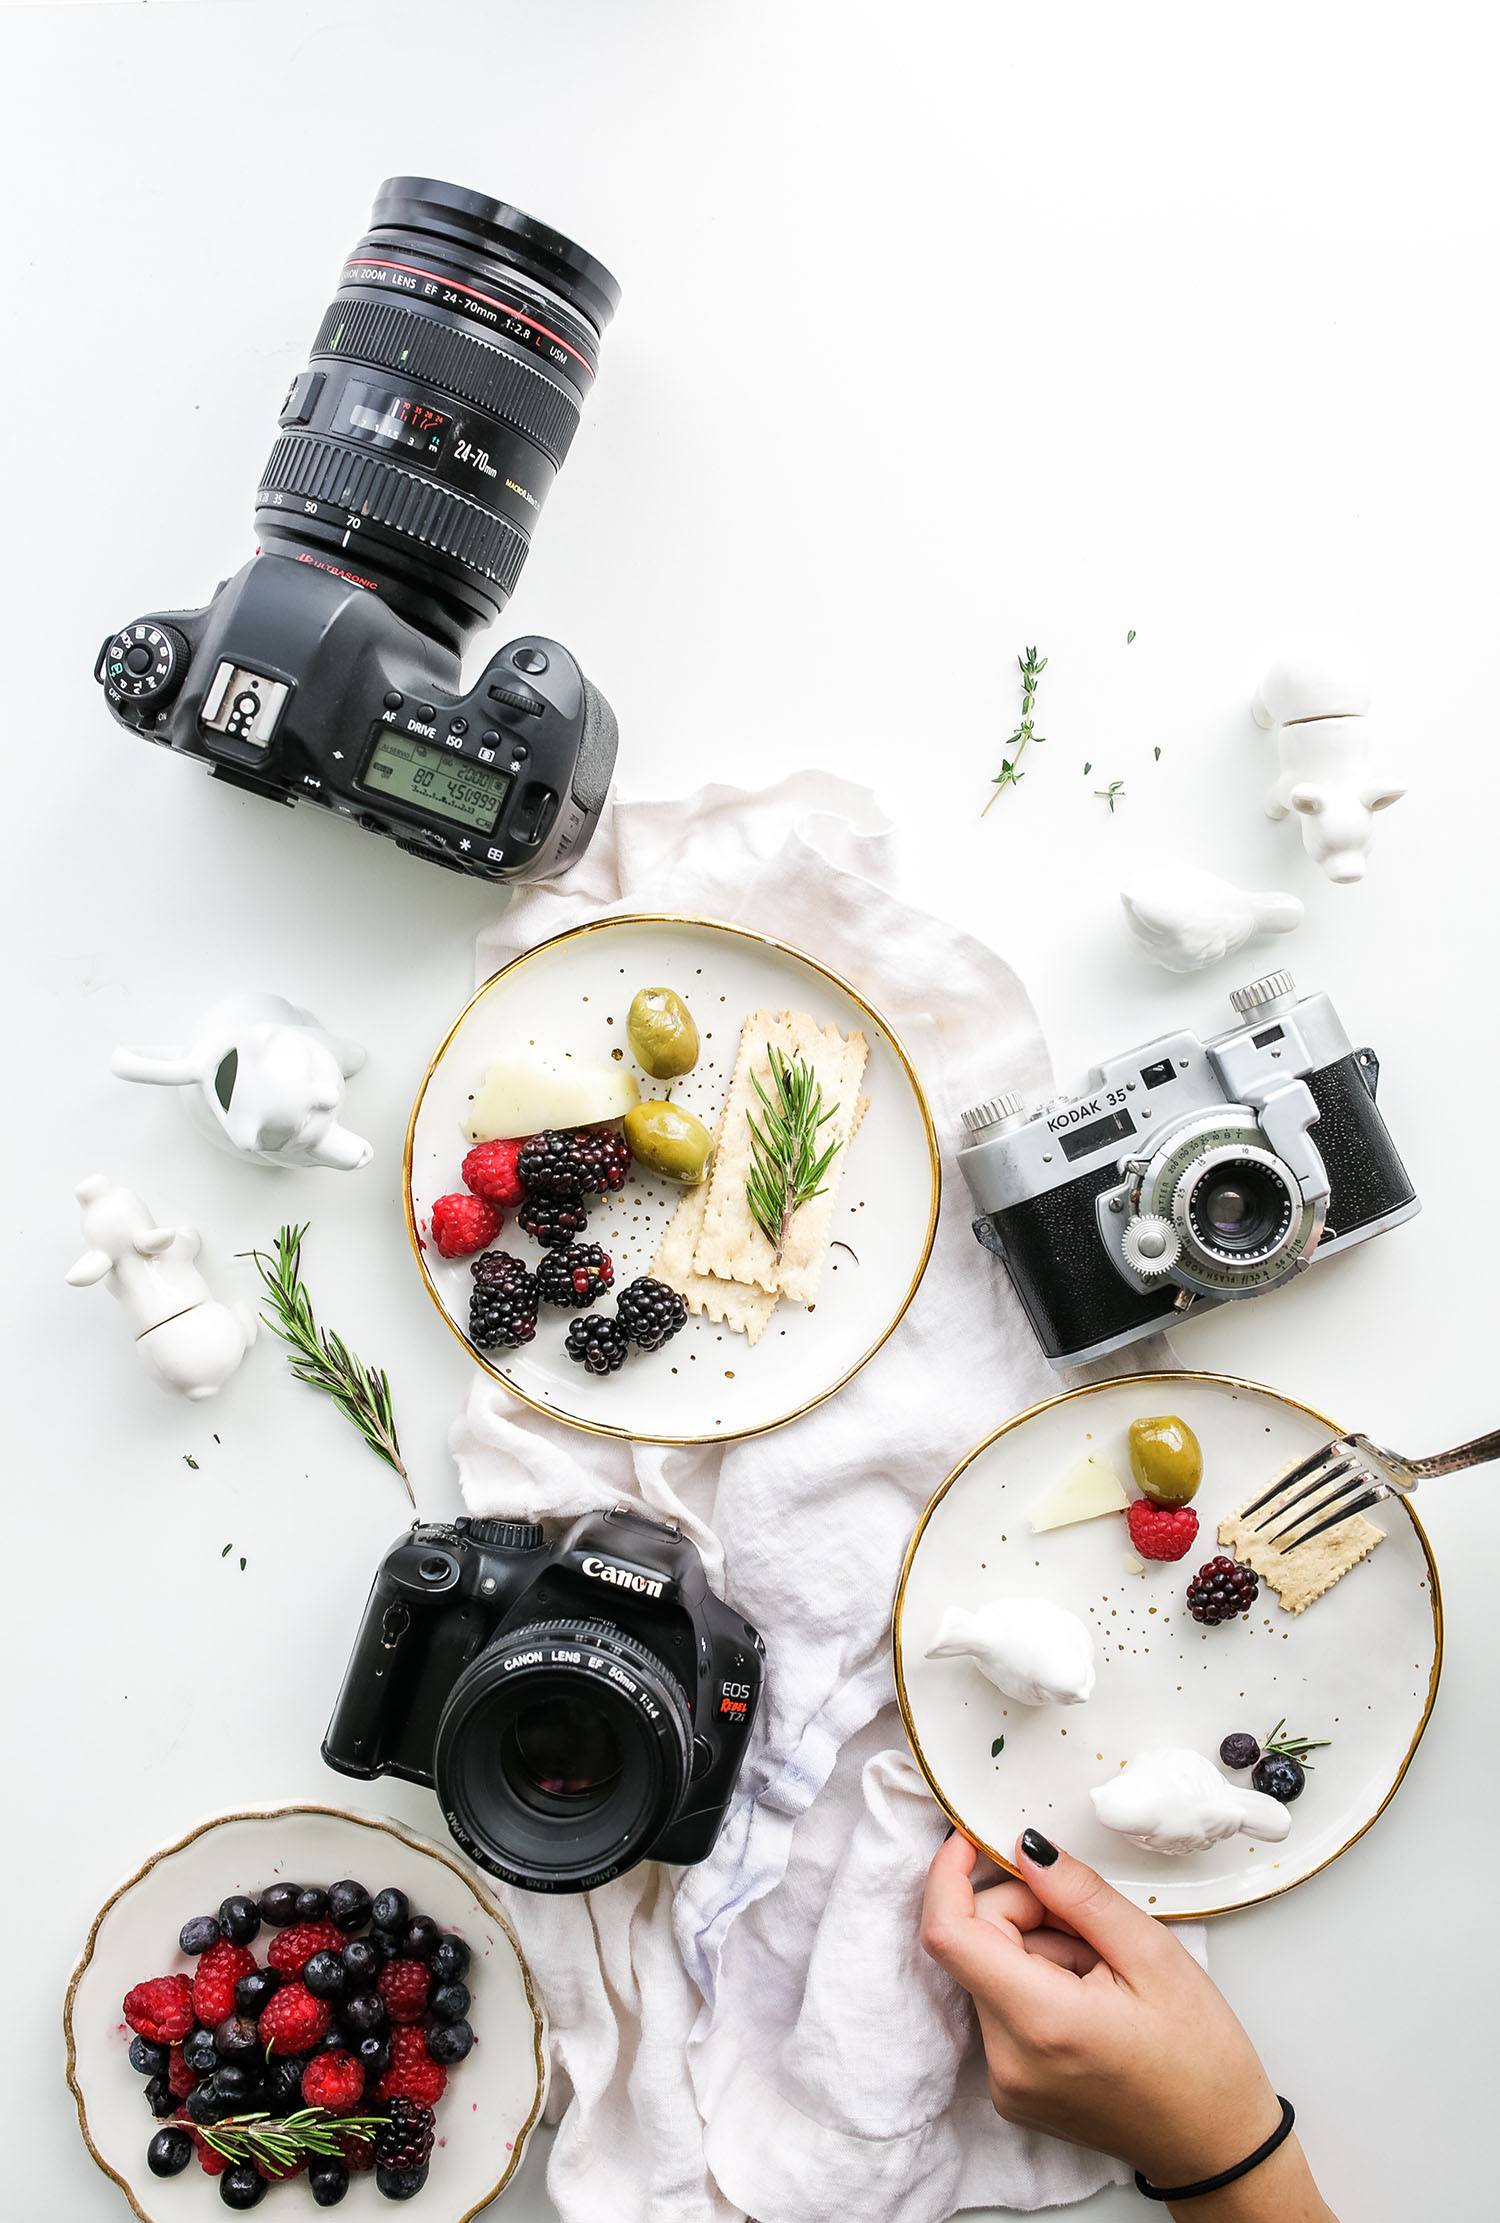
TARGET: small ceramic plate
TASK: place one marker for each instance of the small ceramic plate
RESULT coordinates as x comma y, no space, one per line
570,997
493,2098
1359,1666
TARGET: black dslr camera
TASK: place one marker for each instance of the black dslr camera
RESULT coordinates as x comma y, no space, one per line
444,387
577,1706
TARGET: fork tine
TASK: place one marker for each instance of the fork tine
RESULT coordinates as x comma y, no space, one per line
1289,1475
1360,1504
1338,1472
1352,1478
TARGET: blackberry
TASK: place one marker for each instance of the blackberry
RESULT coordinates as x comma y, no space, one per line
552,1220
650,1313
1239,1751
169,2153
547,1166
575,1276
601,1160
598,1343
198,1935
1221,1589
495,1269
406,2141
502,1309
1279,1776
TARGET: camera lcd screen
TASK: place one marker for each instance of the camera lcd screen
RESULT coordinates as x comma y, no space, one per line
1077,1142
389,419
428,779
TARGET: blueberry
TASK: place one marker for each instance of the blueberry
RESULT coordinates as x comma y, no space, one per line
328,2181
169,2153
239,1919
203,2104
252,1991
312,1904
236,2082
148,2059
159,2098
400,2184
1279,1776
450,1958
333,2040
1239,1751
387,1944
283,2087
420,1940
243,2186
450,2042
374,2054
364,2013
200,2052
236,2039
348,1905
278,1904
325,1975
391,1910
196,1936
362,1961
449,2003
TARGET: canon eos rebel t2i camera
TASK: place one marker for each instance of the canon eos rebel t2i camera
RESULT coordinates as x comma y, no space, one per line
576,1706
1186,1174
416,450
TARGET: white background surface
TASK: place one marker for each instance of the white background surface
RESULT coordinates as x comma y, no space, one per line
944,330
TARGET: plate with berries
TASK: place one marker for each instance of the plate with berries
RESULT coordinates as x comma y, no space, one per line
1093,1638
671,1180
301,2008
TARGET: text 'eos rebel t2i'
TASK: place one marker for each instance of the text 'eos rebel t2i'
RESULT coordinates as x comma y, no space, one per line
444,388
1186,1174
576,1706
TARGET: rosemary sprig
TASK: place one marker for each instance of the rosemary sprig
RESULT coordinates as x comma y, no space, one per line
1293,1748
321,1359
1009,774
786,1165
282,2143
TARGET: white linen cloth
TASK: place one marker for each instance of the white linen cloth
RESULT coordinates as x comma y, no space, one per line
762,2035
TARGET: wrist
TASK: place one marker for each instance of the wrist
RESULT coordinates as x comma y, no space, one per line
1217,2138
1281,2190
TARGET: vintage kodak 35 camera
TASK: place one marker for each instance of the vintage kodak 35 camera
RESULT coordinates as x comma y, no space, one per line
1187,1173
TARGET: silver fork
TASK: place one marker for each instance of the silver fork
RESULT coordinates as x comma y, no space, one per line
1355,1474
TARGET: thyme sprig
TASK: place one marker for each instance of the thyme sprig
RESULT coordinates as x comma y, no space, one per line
320,1358
1111,794
1293,1748
786,1164
282,2143
1031,668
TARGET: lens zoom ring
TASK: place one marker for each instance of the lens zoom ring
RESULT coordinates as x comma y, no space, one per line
379,333
321,471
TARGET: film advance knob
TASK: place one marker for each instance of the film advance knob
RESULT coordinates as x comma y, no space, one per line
1151,1245
992,1112
1257,995
143,662
507,1535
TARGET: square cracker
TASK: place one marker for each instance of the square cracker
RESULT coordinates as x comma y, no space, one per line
1300,1576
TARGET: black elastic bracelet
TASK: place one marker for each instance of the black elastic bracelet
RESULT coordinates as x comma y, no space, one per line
1225,2176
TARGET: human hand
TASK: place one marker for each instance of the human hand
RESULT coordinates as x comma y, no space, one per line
1101,2028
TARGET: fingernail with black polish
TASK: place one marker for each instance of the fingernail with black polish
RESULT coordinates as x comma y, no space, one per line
1038,1848
948,1832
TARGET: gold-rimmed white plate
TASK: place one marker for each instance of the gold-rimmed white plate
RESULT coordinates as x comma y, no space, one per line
494,2098
570,996
1360,1666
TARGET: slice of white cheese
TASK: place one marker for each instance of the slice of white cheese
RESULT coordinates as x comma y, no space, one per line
1090,1487
521,1096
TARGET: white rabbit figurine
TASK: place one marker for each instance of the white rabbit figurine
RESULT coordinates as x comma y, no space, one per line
265,1079
190,1341
1187,919
1172,1800
1318,714
1034,1651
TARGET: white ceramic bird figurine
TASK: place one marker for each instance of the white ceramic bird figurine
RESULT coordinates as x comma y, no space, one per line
1036,1652
1186,918
1172,1800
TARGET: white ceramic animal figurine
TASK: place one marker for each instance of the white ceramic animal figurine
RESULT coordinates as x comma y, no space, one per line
1174,1801
1326,774
1187,919
1034,1651
265,1079
189,1340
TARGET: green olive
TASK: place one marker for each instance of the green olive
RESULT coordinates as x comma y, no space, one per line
1165,1458
662,1033
670,1141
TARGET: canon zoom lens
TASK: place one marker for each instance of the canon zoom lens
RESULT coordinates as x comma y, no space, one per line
442,393
562,1753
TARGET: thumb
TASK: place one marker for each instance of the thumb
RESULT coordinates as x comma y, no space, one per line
1118,1930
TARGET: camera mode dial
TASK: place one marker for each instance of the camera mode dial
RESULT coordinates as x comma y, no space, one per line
507,1535
143,663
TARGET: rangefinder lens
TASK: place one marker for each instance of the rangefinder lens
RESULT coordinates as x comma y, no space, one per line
1241,1209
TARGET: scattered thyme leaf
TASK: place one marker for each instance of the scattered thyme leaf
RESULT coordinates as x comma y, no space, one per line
1088,768
839,1244
242,1566
997,1748
189,1461
1157,754
228,1548
1130,636
1111,794
1031,668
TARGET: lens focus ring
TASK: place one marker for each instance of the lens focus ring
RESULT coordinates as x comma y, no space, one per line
419,509
458,362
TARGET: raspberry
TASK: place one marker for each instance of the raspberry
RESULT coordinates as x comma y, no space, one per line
292,2020
335,2081
210,2160
295,1947
1221,1589
214,1980
406,2141
408,2046
1161,1531
423,2082
357,2154
161,2009
180,2078
404,1986
463,1224
490,1171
